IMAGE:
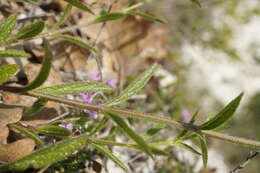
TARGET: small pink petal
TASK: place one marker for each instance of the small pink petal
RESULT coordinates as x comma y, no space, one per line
185,115
111,82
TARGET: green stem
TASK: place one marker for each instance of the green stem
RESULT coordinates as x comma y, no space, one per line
138,115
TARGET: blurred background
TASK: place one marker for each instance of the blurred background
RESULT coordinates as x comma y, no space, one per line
214,55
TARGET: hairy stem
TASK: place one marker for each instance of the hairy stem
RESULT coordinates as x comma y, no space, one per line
138,115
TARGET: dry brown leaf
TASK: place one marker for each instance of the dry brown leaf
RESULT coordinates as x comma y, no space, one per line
10,115
16,150
4,132
40,117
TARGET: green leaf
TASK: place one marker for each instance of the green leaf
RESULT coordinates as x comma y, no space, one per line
125,128
181,135
6,28
145,16
187,147
53,130
36,107
80,5
74,88
45,69
185,131
108,17
28,133
31,1
110,155
204,149
63,18
223,115
6,71
134,87
76,41
29,31
194,117
46,156
153,131
13,53
158,152
196,2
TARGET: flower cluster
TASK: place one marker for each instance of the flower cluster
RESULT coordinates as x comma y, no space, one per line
89,97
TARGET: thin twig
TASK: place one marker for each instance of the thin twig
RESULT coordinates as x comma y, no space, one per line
249,158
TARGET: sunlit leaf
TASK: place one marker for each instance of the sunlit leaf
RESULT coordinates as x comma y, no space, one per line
110,155
80,5
31,1
29,31
204,150
6,28
46,156
134,136
53,130
75,88
6,71
187,147
63,18
134,87
223,115
146,16
108,17
13,53
36,107
45,69
28,133
76,41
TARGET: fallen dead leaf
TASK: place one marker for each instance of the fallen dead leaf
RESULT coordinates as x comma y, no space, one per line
16,150
10,115
4,132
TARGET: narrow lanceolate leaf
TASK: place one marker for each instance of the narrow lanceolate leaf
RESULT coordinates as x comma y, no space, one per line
6,28
80,5
204,150
29,31
187,147
196,2
53,130
76,41
146,16
46,156
75,88
222,116
110,155
134,136
6,71
153,131
63,18
45,69
28,133
36,107
108,17
134,87
31,1
13,53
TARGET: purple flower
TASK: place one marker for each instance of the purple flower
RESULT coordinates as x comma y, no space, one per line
111,82
92,114
185,115
87,97
95,76
67,125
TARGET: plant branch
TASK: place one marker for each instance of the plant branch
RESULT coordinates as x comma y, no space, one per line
139,115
